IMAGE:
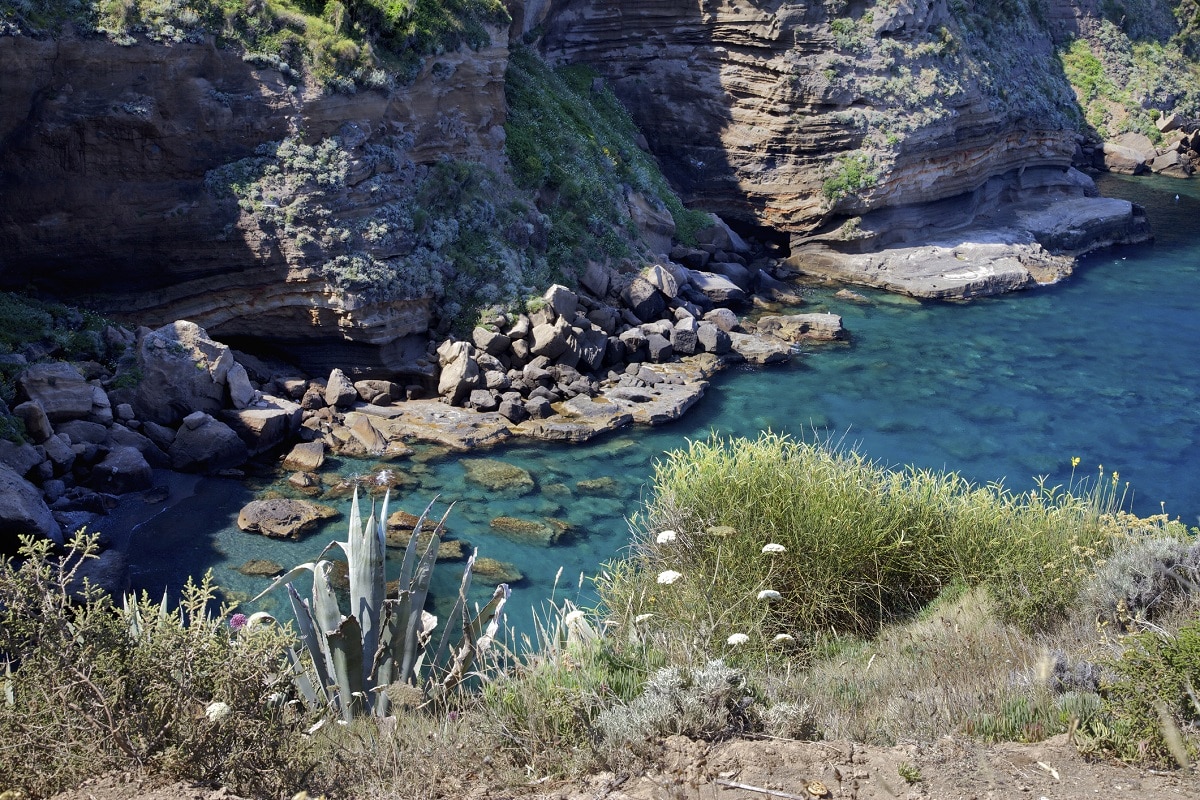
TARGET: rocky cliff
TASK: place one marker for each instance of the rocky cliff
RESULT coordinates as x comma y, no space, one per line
107,164
176,179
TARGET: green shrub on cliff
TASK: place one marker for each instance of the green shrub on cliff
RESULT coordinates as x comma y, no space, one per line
576,148
340,45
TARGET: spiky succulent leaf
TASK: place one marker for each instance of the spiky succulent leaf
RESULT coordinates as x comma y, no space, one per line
345,644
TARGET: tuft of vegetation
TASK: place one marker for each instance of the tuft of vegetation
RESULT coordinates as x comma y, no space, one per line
1127,72
851,175
340,45
91,686
576,148
1151,700
749,546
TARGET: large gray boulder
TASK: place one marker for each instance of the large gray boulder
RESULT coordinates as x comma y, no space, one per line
460,370
803,327
23,512
123,470
37,424
183,370
339,390
550,340
562,300
644,300
718,289
241,391
268,423
205,444
61,390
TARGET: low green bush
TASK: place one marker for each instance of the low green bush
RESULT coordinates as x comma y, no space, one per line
1151,700
89,686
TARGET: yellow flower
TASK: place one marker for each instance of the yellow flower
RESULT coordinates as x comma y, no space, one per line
1116,477
1074,462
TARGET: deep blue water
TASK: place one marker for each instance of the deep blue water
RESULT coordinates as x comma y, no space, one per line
1103,367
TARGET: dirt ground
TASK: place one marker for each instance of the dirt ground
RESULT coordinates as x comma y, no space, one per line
785,770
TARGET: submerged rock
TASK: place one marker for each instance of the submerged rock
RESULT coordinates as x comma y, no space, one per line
499,476
492,572
261,568
282,518
526,531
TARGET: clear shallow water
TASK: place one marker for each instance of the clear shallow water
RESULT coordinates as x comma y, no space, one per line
1104,367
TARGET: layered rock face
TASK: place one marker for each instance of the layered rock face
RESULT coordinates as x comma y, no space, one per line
789,116
103,168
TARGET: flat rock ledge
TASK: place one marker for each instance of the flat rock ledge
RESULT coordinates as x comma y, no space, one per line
1036,243
680,385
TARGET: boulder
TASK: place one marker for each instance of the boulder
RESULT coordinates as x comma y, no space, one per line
482,400
339,390
491,572
23,512
282,518
658,348
183,370
205,444
683,337
260,568
267,424
1169,122
37,423
736,273
597,279
526,531
562,300
123,470
20,458
120,436
662,280
766,286
654,223
550,340
491,342
1123,160
644,300
1172,164
460,370
59,453
801,327
757,350
60,389
712,339
241,392
717,289
513,411
378,392
305,457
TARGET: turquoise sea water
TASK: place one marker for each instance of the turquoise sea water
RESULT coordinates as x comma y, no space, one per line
1103,366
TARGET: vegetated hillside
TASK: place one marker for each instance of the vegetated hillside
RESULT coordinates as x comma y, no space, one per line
274,170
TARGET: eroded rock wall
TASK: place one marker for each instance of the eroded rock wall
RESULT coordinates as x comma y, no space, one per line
753,108
104,152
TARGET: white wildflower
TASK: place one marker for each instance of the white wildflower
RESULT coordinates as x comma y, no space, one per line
666,537
668,576
217,711
640,618
736,639
774,548
573,617
783,638
769,594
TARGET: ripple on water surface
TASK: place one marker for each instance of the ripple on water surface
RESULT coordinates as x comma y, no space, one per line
1103,366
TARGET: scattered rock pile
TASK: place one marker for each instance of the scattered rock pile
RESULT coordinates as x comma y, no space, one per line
1134,153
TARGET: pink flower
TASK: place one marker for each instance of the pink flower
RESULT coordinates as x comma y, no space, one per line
237,622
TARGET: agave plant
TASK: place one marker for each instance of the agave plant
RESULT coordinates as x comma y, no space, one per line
384,640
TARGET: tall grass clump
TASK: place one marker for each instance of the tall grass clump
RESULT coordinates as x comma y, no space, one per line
749,547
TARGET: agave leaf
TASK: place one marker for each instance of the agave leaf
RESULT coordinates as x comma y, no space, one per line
345,644
286,578
367,586
313,641
389,656
302,682
419,588
325,606
457,611
410,552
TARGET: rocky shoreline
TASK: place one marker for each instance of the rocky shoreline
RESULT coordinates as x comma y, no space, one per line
626,348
